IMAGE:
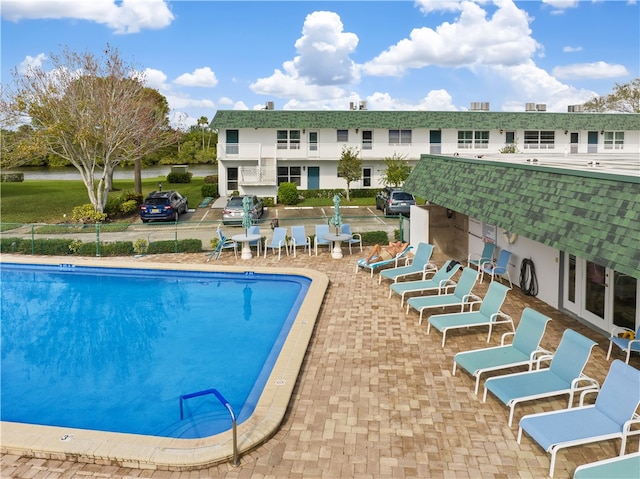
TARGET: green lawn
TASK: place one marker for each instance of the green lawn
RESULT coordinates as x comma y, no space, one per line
42,201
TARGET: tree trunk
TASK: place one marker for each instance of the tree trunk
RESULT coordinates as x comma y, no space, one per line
137,176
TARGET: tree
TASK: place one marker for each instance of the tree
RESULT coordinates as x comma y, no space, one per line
624,98
203,121
350,166
397,170
93,112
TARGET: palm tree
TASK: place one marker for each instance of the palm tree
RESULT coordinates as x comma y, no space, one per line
203,121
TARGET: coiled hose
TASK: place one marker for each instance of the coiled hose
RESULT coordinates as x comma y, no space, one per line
528,280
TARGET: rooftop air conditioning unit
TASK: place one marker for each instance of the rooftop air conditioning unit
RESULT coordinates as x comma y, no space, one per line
353,105
269,105
484,106
575,108
529,107
363,105
475,106
541,107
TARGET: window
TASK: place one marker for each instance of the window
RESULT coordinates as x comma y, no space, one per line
288,139
313,141
614,140
232,179
543,140
399,137
289,174
232,142
342,136
366,177
367,139
465,139
481,139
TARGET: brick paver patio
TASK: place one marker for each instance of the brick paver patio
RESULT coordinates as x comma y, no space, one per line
376,398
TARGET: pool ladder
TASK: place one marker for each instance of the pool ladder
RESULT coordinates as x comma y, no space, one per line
225,403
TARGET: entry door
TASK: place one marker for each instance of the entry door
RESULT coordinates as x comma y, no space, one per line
313,177
574,142
435,142
592,142
600,295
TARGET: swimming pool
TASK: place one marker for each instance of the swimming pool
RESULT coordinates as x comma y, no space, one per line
174,323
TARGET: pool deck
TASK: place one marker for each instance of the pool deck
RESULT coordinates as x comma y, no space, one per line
375,397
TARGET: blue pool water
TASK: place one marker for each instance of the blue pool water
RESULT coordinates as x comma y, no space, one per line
113,349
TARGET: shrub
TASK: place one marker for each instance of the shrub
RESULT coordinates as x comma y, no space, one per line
140,246
128,207
375,237
11,245
268,202
179,177
209,189
288,193
12,177
181,246
87,214
58,247
211,180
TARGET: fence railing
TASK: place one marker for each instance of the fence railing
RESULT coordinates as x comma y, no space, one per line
184,236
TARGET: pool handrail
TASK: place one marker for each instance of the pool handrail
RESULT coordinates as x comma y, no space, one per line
225,403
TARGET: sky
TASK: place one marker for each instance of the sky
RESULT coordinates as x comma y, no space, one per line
438,55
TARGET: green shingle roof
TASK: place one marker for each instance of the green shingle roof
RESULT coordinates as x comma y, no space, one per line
286,119
591,215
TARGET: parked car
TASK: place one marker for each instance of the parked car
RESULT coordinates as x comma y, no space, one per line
394,201
163,205
233,212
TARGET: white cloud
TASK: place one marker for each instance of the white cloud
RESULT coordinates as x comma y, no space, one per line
30,62
559,6
202,77
156,79
569,49
503,39
126,16
428,6
323,62
593,70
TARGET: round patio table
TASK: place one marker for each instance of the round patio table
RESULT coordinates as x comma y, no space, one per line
245,240
337,239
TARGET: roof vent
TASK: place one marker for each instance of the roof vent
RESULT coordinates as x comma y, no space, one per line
479,106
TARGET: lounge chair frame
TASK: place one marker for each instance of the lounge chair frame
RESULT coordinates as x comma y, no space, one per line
627,345
489,314
523,351
611,417
372,267
439,281
420,264
564,363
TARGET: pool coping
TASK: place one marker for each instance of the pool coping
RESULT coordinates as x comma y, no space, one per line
152,452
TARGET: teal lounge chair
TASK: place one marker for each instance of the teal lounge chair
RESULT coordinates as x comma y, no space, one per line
419,265
476,260
489,314
626,344
321,232
523,350
278,241
611,417
362,263
499,268
461,295
621,467
563,376
439,281
223,243
356,238
299,238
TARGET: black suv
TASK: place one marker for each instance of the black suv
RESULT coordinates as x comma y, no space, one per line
163,205
394,201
